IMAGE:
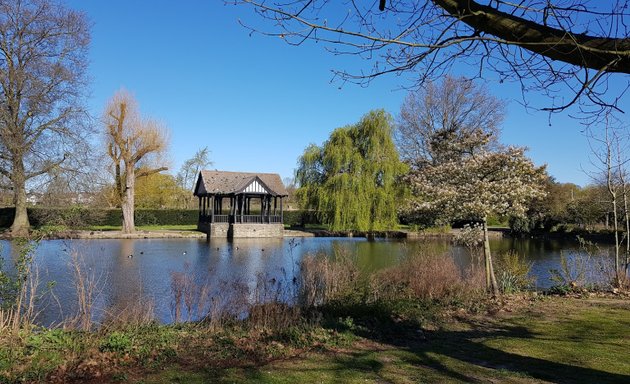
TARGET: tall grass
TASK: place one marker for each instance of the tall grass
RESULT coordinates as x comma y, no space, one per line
19,290
322,279
590,267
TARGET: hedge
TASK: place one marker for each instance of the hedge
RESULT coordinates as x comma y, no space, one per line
77,217
80,217
300,217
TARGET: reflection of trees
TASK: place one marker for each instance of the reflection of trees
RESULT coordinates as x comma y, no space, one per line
126,292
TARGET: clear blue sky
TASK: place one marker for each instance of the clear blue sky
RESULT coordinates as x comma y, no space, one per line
256,102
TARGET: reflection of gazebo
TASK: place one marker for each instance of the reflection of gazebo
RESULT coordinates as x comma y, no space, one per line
240,204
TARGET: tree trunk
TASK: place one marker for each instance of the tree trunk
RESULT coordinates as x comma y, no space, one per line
21,225
578,49
612,190
491,280
626,219
119,183
128,200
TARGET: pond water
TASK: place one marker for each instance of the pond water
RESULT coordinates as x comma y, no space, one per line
136,272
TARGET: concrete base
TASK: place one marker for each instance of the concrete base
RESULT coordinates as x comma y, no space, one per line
225,230
214,229
256,230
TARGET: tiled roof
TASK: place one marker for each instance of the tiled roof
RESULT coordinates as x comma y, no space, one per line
220,182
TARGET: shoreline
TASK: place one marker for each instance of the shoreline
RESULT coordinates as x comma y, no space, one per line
294,232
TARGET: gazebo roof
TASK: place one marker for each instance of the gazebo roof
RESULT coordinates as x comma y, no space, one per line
227,183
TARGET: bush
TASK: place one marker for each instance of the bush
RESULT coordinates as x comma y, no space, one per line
300,218
513,272
81,217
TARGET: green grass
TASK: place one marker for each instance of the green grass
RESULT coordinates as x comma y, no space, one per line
188,227
529,340
551,340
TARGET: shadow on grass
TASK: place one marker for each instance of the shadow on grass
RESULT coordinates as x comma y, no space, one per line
392,349
433,356
466,350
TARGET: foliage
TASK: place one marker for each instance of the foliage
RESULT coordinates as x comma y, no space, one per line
500,183
476,186
300,218
513,272
588,264
82,217
564,203
470,236
159,191
116,342
136,147
352,180
19,288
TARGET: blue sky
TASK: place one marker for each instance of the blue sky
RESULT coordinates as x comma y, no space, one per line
257,102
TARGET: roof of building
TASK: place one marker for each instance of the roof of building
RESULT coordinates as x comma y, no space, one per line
225,183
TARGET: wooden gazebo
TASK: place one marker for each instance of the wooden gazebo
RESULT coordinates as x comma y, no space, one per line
240,204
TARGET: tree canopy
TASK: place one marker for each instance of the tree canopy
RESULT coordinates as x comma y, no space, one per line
566,50
43,61
131,142
447,120
351,180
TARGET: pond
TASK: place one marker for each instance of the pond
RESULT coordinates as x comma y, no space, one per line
128,273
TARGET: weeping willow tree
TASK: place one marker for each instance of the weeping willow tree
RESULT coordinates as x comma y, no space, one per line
351,181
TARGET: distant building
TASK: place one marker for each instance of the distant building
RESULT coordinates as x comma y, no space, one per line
240,204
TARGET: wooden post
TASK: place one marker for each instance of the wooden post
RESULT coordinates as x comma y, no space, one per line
212,212
281,213
241,206
268,208
275,204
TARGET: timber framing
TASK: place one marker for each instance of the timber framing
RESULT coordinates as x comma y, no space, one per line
240,204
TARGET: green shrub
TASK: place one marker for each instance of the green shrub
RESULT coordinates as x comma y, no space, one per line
116,342
300,218
513,272
81,217
77,217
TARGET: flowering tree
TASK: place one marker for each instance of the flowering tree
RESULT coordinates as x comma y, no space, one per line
473,187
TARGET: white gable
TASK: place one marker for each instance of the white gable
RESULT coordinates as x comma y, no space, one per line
255,187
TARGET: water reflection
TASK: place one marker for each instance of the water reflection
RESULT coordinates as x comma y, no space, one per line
139,273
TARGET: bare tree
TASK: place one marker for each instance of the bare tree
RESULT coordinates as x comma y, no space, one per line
187,175
131,141
445,120
567,50
43,61
610,161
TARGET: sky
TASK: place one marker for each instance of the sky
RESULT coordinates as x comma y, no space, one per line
257,102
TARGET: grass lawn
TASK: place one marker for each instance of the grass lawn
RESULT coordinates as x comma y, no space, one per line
556,340
191,227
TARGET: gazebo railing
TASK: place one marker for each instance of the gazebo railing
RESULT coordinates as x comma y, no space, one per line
257,219
244,219
221,218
